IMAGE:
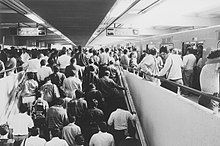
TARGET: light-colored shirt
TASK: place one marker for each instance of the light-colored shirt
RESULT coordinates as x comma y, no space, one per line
172,67
149,66
120,119
102,139
104,58
69,133
44,72
189,61
209,78
55,141
64,60
124,61
71,84
34,141
20,124
33,65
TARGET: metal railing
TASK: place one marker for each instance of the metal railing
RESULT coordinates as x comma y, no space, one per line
14,68
186,88
130,104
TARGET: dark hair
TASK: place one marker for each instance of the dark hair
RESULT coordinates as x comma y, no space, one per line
23,108
214,54
79,139
30,75
153,51
79,94
91,60
56,68
106,50
55,132
34,131
103,126
125,51
43,62
71,118
163,49
4,129
190,49
101,49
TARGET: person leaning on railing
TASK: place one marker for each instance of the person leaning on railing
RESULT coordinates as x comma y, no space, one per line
209,79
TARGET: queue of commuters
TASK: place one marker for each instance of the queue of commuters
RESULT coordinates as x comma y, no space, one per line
69,99
73,97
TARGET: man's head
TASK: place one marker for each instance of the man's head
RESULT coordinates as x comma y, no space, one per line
43,62
103,127
164,52
55,132
35,131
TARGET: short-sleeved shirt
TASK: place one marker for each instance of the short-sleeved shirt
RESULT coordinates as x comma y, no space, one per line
120,119
20,124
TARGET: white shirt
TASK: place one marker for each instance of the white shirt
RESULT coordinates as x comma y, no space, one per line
34,141
189,61
104,58
149,65
102,139
34,65
120,119
56,141
71,84
43,72
172,67
64,60
209,78
69,133
20,124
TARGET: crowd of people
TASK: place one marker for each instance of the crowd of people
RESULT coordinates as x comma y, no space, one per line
73,97
68,98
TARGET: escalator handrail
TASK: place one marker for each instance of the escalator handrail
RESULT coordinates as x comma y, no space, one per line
129,101
186,88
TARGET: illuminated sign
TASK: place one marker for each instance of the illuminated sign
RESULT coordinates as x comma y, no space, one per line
28,31
121,32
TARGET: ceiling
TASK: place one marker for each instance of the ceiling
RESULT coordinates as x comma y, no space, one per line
85,21
166,16
76,19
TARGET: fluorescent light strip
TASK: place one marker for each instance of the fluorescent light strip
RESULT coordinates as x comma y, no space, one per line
149,6
52,29
35,18
58,33
120,7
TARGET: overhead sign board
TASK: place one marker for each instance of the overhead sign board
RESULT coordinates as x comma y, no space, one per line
29,31
121,32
